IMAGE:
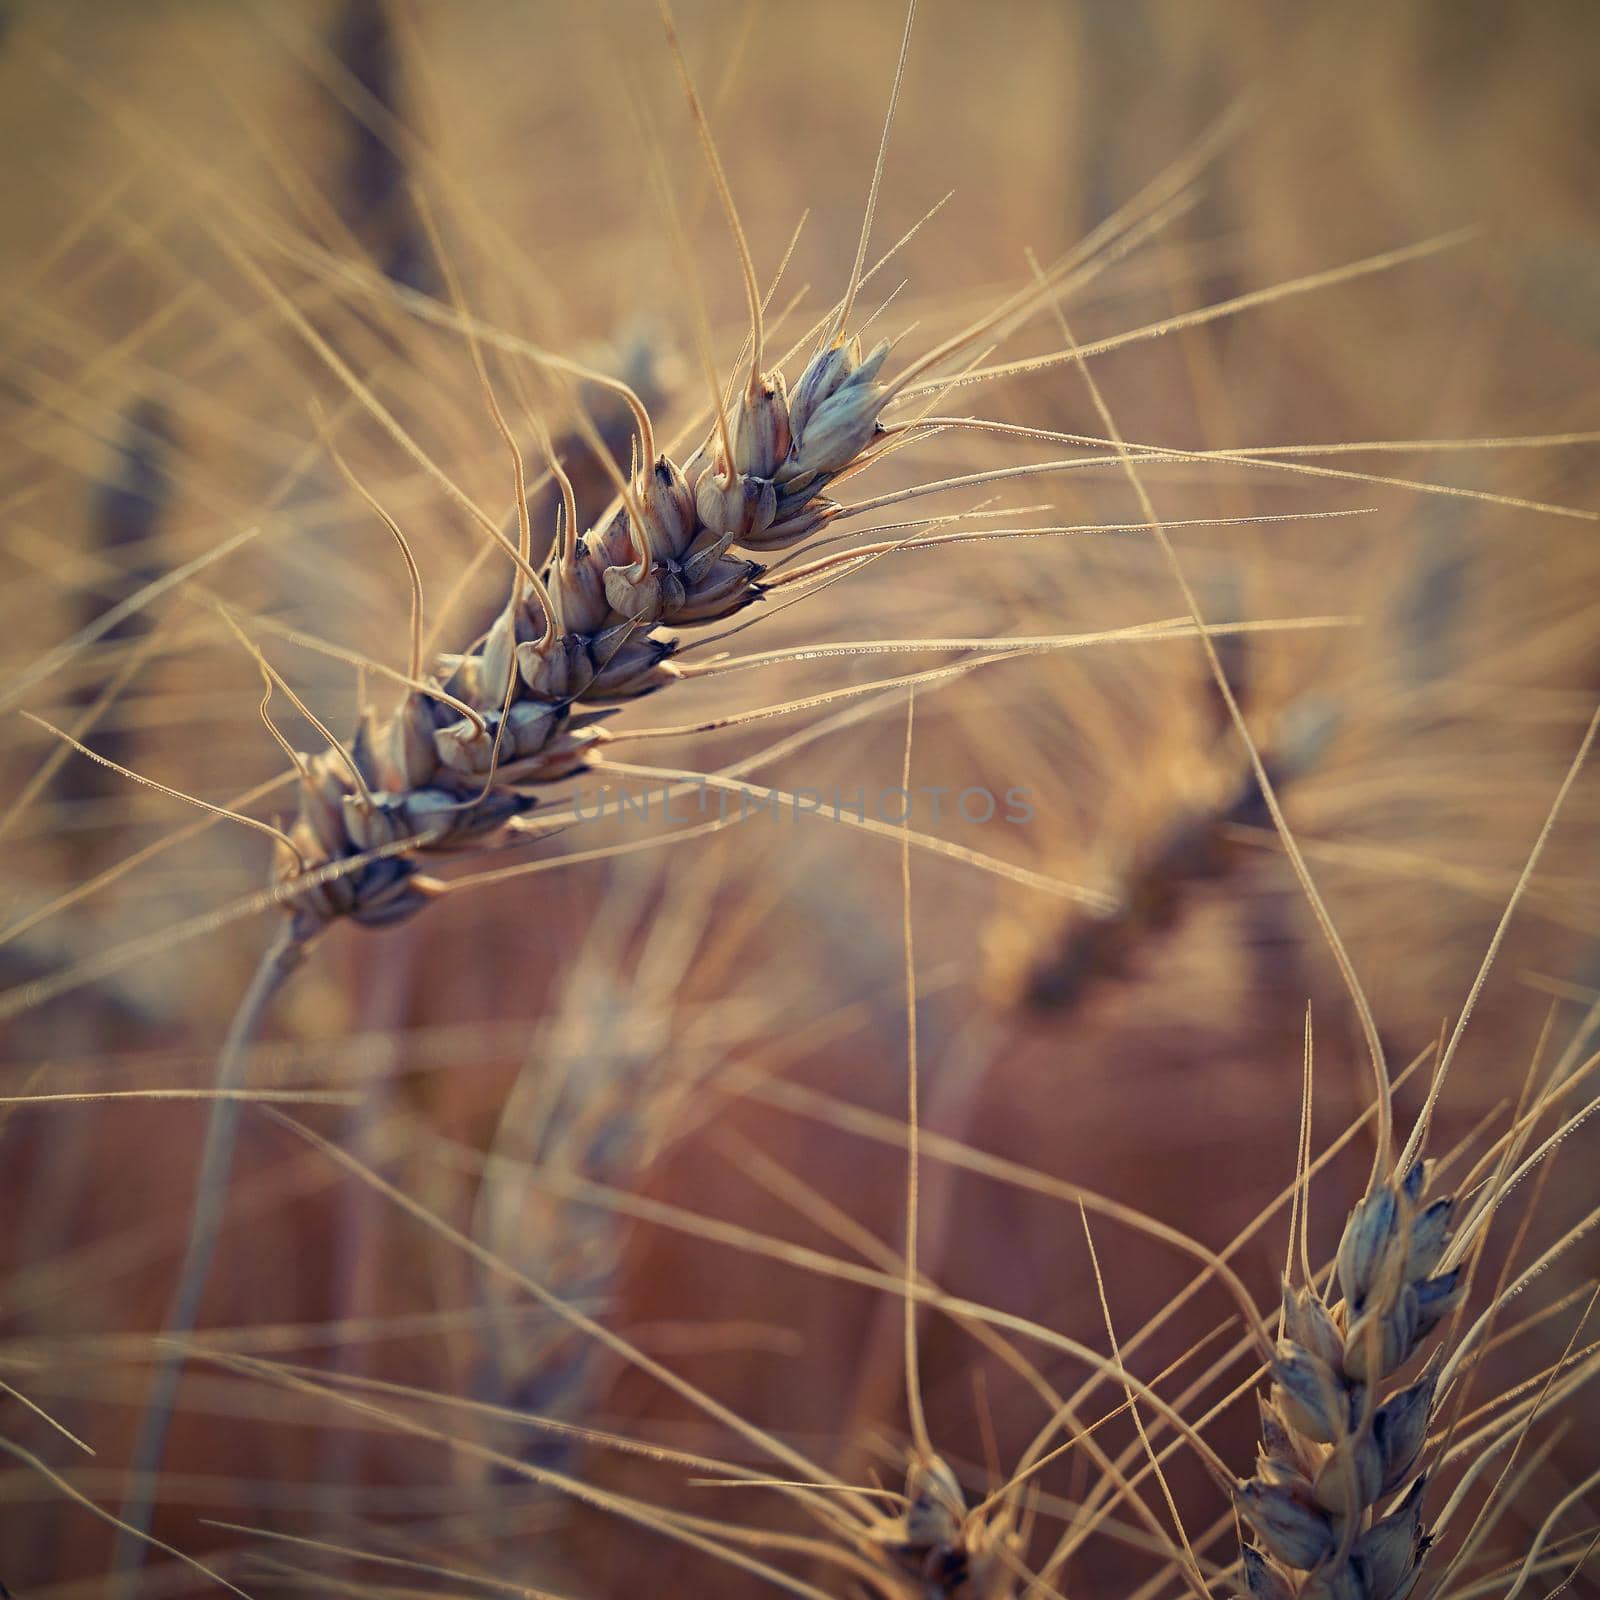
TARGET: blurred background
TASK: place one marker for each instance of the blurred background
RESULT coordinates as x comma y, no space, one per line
597,1070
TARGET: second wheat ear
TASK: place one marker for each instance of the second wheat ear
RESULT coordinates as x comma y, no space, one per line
1334,1447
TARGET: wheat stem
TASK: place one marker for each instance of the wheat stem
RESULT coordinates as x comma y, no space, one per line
205,1225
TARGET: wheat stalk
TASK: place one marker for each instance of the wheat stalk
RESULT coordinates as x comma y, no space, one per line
477,737
467,750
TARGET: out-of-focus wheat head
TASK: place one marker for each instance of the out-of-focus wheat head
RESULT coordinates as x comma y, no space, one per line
593,1275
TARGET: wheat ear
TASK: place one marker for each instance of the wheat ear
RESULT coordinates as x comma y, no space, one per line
1190,850
521,708
595,1104
1335,1446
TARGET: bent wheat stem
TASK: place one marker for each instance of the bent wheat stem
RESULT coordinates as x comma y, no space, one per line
281,957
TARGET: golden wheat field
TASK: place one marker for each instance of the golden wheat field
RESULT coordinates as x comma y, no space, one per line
796,799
